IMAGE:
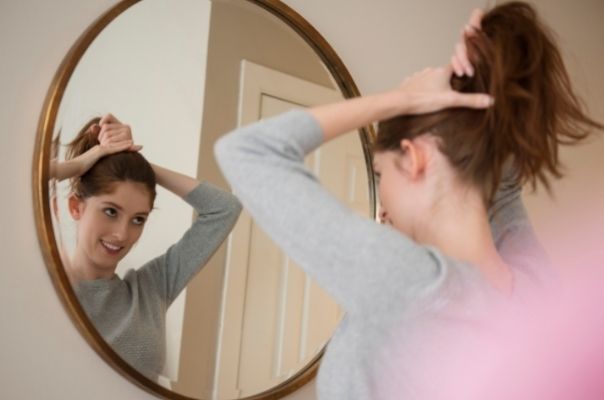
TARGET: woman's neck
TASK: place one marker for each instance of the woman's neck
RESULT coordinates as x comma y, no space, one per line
81,268
459,227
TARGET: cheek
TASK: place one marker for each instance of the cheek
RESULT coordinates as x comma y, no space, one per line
383,194
91,225
387,192
86,233
394,200
135,233
84,224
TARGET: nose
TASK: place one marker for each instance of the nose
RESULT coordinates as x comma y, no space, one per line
120,231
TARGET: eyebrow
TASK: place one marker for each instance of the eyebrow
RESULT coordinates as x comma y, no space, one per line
109,203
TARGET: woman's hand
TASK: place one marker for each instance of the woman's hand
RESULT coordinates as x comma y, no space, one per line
424,92
459,60
430,90
114,136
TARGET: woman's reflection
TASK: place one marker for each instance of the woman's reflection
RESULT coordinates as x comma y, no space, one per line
112,190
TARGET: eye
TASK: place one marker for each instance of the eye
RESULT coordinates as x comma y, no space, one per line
110,212
139,220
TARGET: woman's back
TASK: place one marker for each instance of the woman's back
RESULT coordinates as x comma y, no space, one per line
394,291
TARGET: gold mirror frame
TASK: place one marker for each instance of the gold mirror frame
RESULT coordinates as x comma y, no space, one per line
41,201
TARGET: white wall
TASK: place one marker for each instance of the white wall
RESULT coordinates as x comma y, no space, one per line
41,353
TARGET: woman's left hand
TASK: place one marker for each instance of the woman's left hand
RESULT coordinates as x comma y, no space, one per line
430,90
114,133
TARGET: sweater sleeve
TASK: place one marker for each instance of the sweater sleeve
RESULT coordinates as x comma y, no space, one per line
217,212
513,232
358,262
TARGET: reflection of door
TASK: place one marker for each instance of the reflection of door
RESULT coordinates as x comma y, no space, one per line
274,318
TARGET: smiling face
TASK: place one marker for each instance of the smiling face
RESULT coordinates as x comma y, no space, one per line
108,226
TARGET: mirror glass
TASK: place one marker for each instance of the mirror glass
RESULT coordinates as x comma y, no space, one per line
181,74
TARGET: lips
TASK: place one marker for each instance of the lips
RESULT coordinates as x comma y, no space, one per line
111,248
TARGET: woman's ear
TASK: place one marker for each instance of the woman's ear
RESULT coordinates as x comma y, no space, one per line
75,205
413,158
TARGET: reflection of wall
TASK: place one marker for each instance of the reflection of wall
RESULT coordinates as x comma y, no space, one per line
42,356
238,31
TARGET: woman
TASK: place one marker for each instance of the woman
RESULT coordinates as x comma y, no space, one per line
456,239
112,195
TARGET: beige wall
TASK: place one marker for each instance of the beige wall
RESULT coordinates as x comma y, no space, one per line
41,353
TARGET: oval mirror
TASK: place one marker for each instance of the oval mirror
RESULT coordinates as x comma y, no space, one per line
181,73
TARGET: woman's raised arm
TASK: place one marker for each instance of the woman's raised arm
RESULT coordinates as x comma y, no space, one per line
424,92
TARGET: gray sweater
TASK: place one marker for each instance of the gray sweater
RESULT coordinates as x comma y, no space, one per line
395,293
130,313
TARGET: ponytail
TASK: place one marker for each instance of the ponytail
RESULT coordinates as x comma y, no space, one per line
85,140
517,62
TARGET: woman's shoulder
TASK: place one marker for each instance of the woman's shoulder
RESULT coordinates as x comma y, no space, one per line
458,286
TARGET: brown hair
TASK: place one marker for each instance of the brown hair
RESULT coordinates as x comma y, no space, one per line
518,63
119,167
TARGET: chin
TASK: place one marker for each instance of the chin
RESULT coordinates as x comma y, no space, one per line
108,263
404,229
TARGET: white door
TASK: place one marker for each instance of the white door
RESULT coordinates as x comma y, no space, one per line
260,349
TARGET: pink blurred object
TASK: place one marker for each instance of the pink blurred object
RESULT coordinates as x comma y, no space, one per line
551,348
